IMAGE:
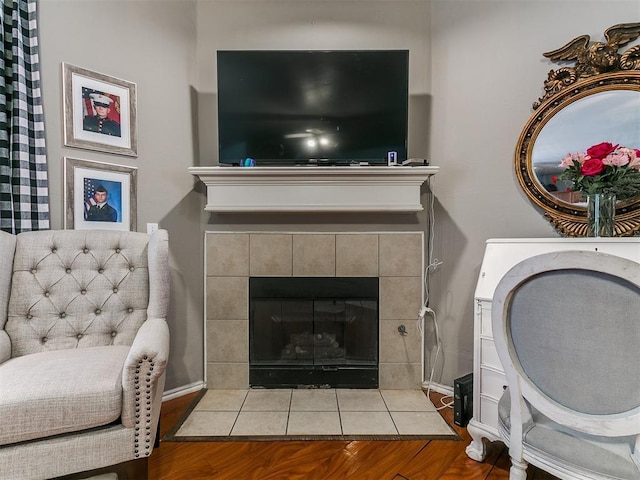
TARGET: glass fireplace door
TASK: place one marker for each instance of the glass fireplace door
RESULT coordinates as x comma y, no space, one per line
282,332
311,341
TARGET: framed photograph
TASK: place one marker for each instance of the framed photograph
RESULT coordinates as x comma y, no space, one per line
99,196
99,111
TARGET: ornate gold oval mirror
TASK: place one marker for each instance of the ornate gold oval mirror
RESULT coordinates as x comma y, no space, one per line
596,100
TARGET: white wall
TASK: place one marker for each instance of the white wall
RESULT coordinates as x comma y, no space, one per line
476,67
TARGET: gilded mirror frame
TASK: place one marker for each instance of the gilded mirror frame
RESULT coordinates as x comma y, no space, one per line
563,87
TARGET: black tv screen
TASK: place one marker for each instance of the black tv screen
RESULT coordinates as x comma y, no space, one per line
324,107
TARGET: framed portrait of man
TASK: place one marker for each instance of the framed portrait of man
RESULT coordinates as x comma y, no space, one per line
99,111
99,196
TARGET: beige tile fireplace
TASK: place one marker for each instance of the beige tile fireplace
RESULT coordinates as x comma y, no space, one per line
231,258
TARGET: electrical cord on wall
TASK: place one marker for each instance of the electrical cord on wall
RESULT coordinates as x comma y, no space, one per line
432,264
423,311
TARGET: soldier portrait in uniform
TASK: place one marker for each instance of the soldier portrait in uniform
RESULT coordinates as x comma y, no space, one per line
100,196
99,111
103,114
102,200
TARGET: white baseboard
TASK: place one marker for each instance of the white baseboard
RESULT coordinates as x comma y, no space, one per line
181,391
437,387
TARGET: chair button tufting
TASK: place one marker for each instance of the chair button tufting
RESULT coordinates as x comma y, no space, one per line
54,250
83,292
33,270
115,289
130,310
85,250
68,270
79,336
44,339
62,315
132,268
46,294
117,250
29,316
113,334
98,311
101,270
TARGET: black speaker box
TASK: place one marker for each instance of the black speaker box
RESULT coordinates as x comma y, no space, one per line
463,400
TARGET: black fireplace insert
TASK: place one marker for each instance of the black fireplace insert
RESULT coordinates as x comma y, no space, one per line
307,332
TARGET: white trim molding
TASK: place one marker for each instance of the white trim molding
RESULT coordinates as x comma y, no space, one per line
439,388
313,189
183,390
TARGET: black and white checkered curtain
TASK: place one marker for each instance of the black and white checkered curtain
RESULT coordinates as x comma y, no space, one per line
24,187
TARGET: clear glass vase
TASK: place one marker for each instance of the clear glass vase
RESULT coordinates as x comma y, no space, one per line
601,214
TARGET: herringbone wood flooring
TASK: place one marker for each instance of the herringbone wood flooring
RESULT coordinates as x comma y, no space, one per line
325,460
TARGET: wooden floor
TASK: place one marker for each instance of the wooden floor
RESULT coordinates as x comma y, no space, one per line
330,460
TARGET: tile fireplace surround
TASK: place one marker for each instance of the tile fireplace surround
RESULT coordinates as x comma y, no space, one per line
231,258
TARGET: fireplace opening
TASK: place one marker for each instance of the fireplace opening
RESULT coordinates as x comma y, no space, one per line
313,332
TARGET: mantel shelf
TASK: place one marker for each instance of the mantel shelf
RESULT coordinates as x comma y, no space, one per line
313,189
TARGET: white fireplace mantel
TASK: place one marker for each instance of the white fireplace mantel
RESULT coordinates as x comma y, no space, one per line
313,189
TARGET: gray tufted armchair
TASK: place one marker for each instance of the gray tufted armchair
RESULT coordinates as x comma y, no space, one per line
83,349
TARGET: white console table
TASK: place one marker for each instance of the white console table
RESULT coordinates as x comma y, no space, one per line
313,189
488,375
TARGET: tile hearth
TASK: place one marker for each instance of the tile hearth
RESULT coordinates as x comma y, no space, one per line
307,412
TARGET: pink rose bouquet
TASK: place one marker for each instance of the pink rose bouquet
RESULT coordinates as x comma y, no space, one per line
604,168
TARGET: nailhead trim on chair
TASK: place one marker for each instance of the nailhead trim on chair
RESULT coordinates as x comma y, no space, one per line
77,290
139,449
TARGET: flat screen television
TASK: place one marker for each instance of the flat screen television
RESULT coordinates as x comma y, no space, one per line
320,107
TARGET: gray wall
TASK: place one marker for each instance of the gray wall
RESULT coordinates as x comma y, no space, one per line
153,45
476,67
487,70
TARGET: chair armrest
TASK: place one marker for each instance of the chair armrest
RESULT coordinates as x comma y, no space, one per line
5,346
145,364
